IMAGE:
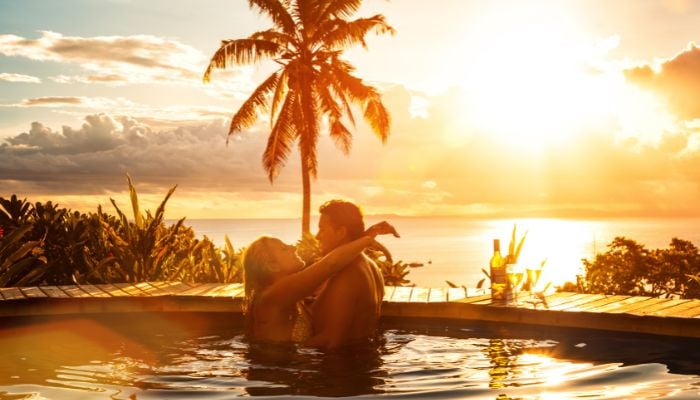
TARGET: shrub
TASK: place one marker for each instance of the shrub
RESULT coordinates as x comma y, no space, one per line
630,268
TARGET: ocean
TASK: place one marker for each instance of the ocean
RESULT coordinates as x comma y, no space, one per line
456,249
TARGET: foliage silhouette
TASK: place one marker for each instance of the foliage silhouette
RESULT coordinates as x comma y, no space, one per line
628,267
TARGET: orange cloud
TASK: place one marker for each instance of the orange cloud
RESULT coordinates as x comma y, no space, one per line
677,80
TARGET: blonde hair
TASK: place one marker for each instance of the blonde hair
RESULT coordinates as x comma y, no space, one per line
258,266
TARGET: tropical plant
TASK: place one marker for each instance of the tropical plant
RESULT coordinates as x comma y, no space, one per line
514,247
142,248
308,249
14,212
21,262
200,261
628,267
312,82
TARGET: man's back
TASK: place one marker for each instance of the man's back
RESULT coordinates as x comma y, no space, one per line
348,309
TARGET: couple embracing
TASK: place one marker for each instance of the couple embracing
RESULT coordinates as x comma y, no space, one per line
349,285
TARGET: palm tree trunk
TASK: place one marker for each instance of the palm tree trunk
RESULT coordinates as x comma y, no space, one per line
306,201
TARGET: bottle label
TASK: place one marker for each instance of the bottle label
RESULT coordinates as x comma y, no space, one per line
498,283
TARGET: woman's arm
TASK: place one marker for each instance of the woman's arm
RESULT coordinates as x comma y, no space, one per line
298,285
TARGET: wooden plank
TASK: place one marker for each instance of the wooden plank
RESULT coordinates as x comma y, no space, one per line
225,290
677,309
689,313
12,293
454,294
644,302
628,314
620,304
658,306
402,294
593,306
94,290
388,292
437,295
573,304
172,288
483,300
149,289
559,298
54,292
32,292
112,290
200,290
130,289
74,291
420,295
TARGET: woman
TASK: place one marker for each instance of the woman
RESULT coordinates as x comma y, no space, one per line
276,281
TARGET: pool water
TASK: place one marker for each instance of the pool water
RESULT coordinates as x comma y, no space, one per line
160,356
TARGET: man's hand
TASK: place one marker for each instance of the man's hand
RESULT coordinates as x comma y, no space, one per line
381,228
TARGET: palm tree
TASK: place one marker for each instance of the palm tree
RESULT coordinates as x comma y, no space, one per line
312,82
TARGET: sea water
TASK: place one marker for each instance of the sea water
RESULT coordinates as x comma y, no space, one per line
456,249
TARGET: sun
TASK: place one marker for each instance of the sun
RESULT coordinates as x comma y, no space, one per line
533,78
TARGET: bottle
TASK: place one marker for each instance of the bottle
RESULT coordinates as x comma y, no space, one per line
498,272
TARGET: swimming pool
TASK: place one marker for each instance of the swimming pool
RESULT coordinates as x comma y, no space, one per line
163,356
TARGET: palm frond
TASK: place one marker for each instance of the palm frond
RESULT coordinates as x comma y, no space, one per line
304,11
241,51
378,117
277,12
342,34
350,85
340,135
279,143
248,113
327,81
327,102
338,8
281,90
271,35
329,106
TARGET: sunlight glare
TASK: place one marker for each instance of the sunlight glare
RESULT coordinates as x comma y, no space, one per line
557,242
534,78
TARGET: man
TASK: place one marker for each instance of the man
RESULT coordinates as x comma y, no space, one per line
347,309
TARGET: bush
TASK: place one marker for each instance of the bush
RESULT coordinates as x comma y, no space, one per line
631,269
42,244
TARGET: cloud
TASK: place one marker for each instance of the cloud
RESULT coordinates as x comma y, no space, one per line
595,174
8,77
154,116
93,158
676,79
122,60
72,101
137,58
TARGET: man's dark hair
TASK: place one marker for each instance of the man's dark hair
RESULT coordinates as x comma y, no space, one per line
345,214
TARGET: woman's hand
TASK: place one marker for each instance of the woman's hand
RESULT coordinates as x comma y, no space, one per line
381,228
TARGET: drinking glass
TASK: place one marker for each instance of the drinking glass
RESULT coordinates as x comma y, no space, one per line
514,272
533,277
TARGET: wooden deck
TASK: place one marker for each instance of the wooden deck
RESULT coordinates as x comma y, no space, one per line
618,313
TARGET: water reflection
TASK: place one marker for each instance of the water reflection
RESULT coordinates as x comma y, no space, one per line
159,357
292,370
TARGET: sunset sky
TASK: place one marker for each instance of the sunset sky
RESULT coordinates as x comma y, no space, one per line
500,108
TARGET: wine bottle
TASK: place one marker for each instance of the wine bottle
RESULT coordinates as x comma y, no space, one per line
498,272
